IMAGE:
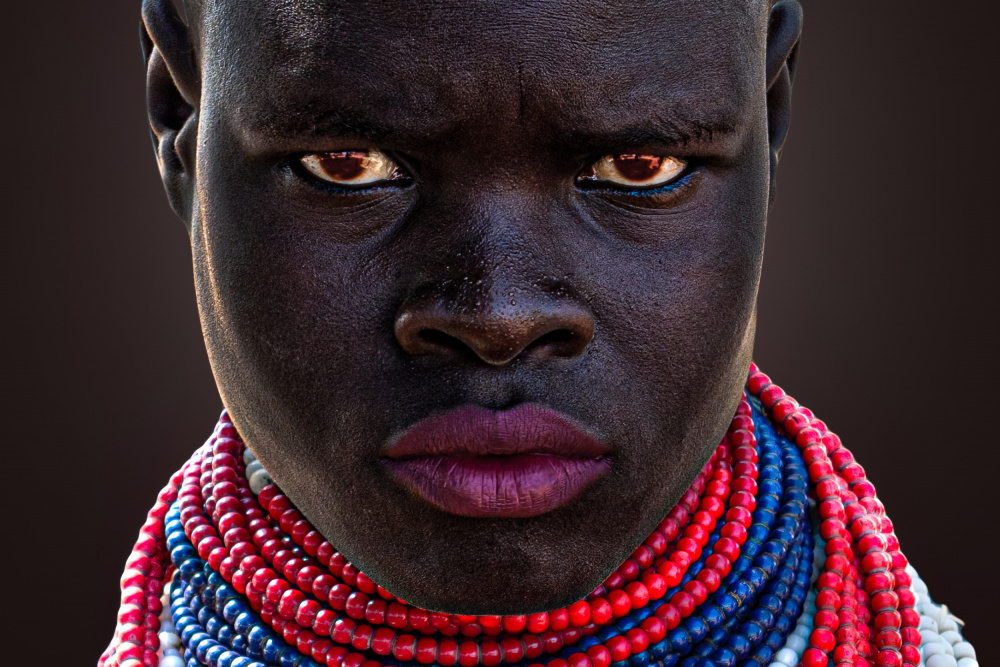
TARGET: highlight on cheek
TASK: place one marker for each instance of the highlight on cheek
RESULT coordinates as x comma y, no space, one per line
353,168
635,169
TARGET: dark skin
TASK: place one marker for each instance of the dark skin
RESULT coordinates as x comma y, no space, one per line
491,274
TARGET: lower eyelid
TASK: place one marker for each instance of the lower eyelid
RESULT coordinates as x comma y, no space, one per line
649,192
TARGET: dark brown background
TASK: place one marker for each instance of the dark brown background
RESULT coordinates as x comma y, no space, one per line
878,307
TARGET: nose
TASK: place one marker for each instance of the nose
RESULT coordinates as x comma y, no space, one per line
495,331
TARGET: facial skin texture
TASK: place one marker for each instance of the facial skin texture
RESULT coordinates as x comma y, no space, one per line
336,320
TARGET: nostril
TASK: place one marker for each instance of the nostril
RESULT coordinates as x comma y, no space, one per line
560,343
435,338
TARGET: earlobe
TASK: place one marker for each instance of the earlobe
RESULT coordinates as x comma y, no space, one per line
783,33
172,91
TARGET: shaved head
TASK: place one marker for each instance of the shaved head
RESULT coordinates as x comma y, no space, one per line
491,266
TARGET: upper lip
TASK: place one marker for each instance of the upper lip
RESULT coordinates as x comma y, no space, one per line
472,430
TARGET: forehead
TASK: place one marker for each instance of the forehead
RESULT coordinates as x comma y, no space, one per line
426,67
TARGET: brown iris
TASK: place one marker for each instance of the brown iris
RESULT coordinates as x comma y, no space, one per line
353,168
635,169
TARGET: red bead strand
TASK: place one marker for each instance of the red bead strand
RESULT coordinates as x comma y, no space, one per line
856,531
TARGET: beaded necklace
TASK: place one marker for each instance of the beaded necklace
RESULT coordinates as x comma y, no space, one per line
725,578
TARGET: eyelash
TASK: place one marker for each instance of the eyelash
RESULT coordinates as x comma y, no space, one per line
685,180
294,164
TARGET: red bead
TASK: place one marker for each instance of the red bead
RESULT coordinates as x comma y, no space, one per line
621,603
426,650
558,619
599,655
537,622
669,614
823,639
638,640
512,650
579,613
447,653
579,660
812,657
619,647
468,654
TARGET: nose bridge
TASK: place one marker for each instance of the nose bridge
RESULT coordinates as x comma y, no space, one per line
493,290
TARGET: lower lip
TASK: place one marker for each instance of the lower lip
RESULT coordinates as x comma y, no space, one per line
518,485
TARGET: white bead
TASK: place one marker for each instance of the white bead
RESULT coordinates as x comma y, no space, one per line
928,623
796,643
252,468
930,637
170,651
968,662
259,481
778,664
169,640
788,657
248,456
167,626
941,660
920,587
802,630
172,661
947,623
964,649
934,648
951,637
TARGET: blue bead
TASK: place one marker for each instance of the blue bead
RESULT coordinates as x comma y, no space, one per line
188,568
288,659
757,532
729,604
739,645
696,628
680,641
753,632
226,635
273,649
625,624
256,637
587,642
213,654
669,660
724,658
659,649
642,613
243,622
639,659
771,602
204,614
242,662
713,616
231,610
763,618
607,632
620,663
238,643
213,626
190,631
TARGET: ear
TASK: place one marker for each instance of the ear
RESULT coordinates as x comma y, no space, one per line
173,88
783,33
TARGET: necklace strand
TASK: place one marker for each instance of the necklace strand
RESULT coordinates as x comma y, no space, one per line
720,579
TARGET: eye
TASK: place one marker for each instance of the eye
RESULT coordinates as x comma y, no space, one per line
634,170
353,168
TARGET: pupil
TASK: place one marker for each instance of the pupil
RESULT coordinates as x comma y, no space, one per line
344,166
639,167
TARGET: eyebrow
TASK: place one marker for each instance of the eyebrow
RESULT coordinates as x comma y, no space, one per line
663,127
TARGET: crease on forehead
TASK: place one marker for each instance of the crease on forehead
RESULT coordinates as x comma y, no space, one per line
423,76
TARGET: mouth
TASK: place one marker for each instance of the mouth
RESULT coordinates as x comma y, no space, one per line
476,462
